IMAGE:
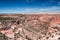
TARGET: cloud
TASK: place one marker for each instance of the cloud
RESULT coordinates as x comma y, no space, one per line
25,10
58,3
50,9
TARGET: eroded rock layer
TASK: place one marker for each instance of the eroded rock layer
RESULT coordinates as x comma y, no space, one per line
30,27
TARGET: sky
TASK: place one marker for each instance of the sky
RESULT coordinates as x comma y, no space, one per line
23,6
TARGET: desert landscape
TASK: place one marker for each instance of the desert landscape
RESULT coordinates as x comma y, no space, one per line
29,26
29,19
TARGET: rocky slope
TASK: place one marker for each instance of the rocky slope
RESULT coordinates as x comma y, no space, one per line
30,27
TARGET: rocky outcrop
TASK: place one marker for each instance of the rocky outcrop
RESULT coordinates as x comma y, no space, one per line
30,27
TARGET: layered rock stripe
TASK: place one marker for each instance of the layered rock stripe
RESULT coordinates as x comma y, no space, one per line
30,27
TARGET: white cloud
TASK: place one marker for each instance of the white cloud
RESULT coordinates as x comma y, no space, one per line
58,3
50,9
24,10
51,1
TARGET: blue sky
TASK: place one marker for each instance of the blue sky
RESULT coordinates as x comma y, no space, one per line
23,6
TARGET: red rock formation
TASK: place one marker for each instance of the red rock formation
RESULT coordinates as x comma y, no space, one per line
33,27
